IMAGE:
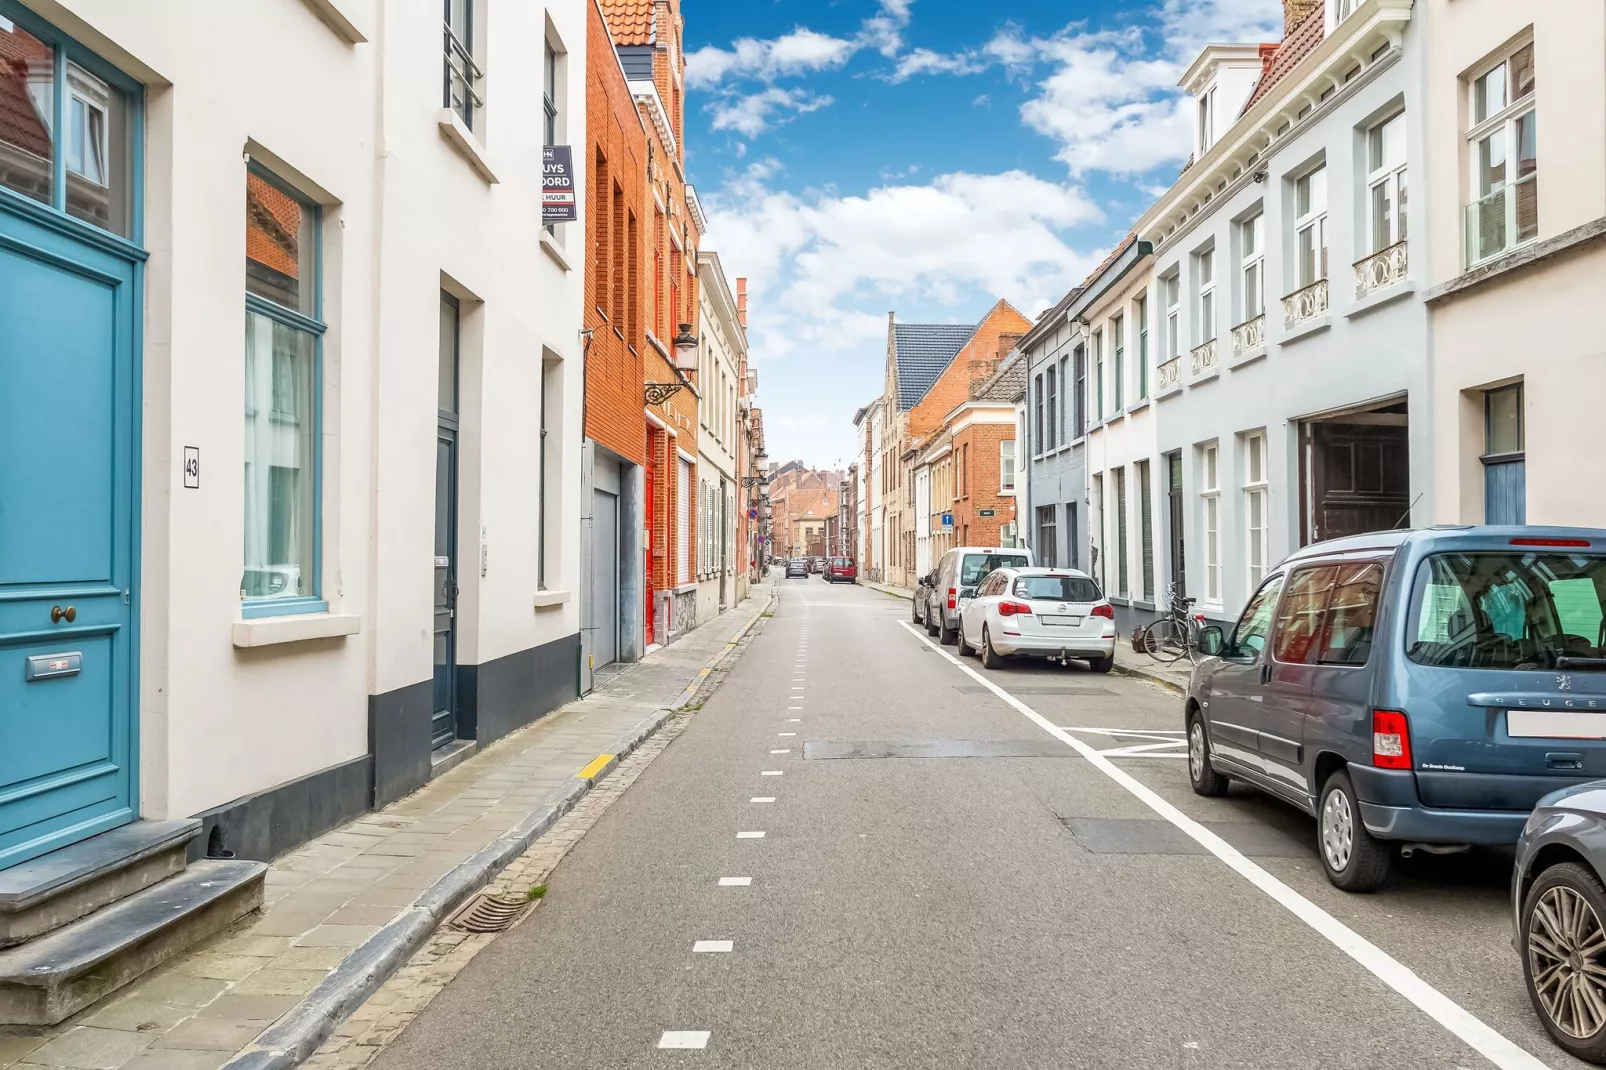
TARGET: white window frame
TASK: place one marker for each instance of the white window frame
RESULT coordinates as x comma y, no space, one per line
1207,102
1204,266
1386,176
683,520
1256,541
1252,267
1171,289
1210,512
1006,463
1502,124
1313,222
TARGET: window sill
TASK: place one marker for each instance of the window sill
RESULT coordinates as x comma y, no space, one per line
548,599
1169,392
1247,357
461,138
1137,407
1523,256
550,246
1308,328
1116,417
301,627
1201,380
1382,296
334,15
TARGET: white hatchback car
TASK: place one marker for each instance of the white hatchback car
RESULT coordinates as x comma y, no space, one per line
1055,613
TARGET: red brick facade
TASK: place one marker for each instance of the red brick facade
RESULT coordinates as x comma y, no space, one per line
979,470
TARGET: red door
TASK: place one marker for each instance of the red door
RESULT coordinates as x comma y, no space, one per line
646,550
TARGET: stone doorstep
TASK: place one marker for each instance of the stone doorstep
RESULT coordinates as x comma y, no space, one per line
54,976
58,888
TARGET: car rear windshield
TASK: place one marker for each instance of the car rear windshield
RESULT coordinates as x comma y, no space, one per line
1058,588
840,562
1508,610
976,566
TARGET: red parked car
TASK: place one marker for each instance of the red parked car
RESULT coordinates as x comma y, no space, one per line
841,569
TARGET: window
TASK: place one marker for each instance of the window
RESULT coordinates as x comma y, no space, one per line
1205,265
550,471
1079,396
1249,636
1504,465
463,74
1504,147
964,468
1507,609
1351,615
1385,182
1252,247
1046,536
1299,621
1006,466
1171,287
1057,588
1342,9
1310,227
1210,492
1053,403
1118,369
683,523
1065,402
549,110
1121,587
1037,396
283,331
600,218
1255,505
1206,123
1096,528
1098,372
1141,314
973,567
1145,532
616,226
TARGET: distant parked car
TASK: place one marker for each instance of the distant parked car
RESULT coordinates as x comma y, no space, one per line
1424,687
1558,907
1056,613
797,567
920,601
841,570
956,577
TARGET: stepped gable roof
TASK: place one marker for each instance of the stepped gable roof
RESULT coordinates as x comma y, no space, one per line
924,350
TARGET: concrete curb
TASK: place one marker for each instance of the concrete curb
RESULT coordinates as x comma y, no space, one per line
297,1035
1152,676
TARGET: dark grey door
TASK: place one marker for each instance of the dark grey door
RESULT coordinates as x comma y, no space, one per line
443,725
605,578
1179,564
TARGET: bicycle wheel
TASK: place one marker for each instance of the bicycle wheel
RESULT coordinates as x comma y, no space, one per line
1165,641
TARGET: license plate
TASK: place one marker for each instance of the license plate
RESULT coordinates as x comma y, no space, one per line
1555,724
1057,621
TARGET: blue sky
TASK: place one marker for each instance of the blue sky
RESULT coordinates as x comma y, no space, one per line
926,157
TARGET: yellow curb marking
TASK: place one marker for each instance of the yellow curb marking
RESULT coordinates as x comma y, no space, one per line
595,767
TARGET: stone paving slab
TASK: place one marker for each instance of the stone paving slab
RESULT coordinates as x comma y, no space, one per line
327,898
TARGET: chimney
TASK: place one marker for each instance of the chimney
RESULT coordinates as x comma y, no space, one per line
741,302
1268,52
1295,12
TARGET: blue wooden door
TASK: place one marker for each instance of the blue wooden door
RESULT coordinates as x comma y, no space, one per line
68,438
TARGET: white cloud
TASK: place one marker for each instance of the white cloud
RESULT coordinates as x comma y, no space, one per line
884,30
755,113
798,52
925,61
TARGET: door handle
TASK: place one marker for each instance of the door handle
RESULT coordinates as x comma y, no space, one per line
57,614
1265,673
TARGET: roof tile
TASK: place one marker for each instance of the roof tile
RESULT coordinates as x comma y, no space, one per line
1296,45
924,350
629,21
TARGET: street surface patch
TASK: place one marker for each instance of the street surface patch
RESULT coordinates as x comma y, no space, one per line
1148,836
1043,689
941,748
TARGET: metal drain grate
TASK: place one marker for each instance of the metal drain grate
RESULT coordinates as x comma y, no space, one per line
490,914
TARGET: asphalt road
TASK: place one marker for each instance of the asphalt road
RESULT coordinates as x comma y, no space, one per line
945,880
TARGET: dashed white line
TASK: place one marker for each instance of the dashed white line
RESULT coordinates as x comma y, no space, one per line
735,882
684,1038
705,947
786,733
795,720
783,750
749,835
771,772
1385,967
762,798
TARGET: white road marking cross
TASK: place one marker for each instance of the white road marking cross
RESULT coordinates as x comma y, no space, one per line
684,1038
700,947
1492,1045
735,882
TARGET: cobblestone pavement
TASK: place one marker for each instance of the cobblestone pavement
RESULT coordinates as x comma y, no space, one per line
327,898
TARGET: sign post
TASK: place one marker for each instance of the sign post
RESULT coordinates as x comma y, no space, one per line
558,202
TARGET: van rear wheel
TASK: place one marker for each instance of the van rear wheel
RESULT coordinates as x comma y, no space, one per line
1354,860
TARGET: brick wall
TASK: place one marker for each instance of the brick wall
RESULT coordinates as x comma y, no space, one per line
978,454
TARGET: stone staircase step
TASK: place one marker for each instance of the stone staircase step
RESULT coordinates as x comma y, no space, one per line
57,975
57,889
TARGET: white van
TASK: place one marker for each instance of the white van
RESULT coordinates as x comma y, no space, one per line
956,577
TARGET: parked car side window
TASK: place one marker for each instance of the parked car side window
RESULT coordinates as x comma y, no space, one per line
1299,621
1351,615
1249,637
1507,609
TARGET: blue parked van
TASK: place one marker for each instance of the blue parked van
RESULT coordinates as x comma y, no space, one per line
1424,687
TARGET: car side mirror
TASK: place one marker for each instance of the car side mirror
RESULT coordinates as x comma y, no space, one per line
1212,641
965,596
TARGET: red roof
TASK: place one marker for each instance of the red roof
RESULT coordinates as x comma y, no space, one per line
629,21
1296,46
20,122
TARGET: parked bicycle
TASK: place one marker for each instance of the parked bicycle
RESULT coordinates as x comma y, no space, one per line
1175,635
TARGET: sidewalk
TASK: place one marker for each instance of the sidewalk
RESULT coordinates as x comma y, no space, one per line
347,909
1127,661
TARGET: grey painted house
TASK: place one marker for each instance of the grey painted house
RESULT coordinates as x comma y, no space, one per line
1053,505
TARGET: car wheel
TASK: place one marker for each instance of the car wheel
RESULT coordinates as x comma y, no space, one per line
1201,774
931,625
1101,664
946,635
914,611
965,649
1562,937
989,657
1354,860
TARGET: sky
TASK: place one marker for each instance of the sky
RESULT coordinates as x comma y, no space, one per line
924,157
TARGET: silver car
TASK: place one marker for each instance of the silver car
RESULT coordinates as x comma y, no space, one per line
1558,908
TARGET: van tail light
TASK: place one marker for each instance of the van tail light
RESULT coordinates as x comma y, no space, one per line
1583,543
1009,609
1103,609
953,593
1391,740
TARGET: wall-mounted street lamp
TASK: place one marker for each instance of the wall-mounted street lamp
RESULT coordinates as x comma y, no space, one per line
686,345
658,393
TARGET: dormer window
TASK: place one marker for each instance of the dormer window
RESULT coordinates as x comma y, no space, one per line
1206,120
1343,9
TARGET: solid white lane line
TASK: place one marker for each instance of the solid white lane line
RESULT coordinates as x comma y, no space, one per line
1385,967
1146,748
762,798
703,947
684,1038
770,772
784,750
749,835
1142,733
735,882
786,733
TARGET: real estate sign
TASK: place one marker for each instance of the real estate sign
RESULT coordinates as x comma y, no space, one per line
558,204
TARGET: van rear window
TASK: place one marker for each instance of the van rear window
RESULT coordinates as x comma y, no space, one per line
1506,610
975,567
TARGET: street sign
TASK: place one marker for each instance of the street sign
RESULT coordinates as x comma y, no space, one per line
558,203
947,520
986,512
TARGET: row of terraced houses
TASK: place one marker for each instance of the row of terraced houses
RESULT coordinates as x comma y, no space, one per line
487,448
1368,301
